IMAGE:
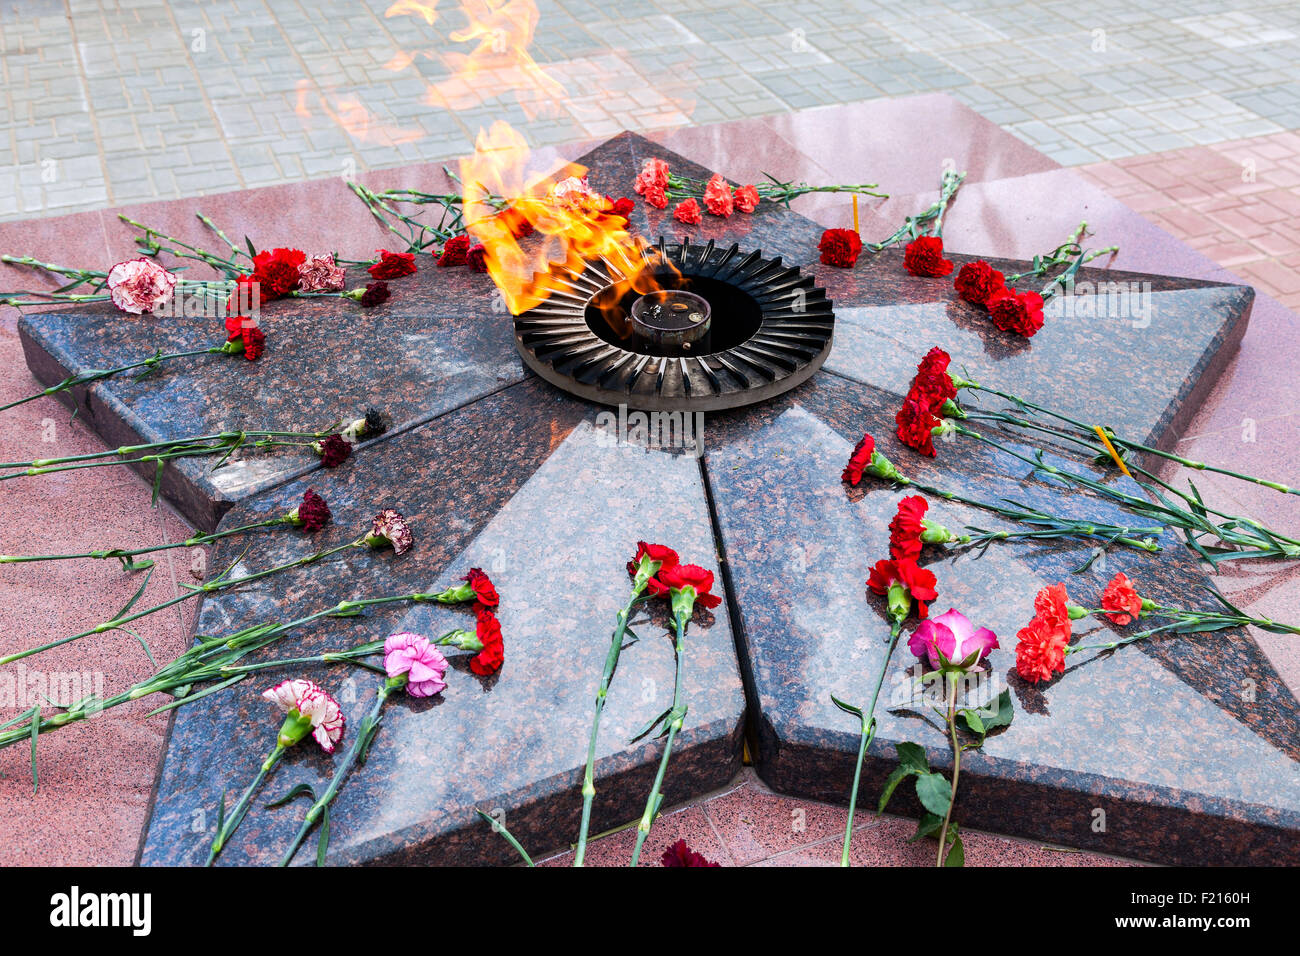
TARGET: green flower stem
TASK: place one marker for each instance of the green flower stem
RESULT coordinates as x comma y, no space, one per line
235,250
240,809
611,663
1096,448
193,542
1229,533
350,655
948,187
166,450
1133,445
1055,527
956,765
96,374
366,731
866,735
500,827
219,584
675,717
151,246
201,662
1065,279
773,190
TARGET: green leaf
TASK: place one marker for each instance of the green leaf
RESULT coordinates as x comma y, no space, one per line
298,790
36,729
971,718
928,825
934,792
981,721
846,707
181,700
251,251
913,756
323,844
221,811
157,483
130,565
957,854
898,775
651,726
135,597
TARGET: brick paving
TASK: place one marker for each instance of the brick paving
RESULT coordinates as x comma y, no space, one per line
120,101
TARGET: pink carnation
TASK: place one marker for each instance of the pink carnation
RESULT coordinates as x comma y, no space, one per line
310,700
654,173
140,285
319,273
424,665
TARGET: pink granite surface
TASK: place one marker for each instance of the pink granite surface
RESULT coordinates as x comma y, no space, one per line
96,780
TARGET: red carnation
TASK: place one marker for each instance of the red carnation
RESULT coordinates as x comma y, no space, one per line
1019,312
916,424
476,258
656,196
246,297
1120,600
688,212
488,630
916,580
906,527
621,207
679,854
666,557
746,198
840,247
516,222
977,282
254,342
334,451
717,196
313,514
924,257
859,460
484,591
277,271
932,379
454,252
393,265
1040,645
691,575
376,294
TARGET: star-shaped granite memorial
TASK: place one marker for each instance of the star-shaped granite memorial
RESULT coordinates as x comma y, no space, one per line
1178,749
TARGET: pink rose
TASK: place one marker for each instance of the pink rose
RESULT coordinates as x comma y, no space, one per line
308,699
320,274
140,285
421,662
953,634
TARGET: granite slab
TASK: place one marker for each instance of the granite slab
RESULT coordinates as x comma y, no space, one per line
522,485
1177,749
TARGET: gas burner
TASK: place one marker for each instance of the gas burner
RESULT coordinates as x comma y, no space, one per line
725,329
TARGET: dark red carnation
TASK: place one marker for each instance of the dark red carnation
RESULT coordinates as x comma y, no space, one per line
454,252
393,265
840,247
376,294
915,423
1019,312
334,451
977,281
924,257
621,206
516,222
476,258
666,557
679,854
932,380
313,513
254,342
